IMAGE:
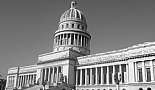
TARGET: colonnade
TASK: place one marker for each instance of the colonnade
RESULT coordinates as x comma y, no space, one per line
23,80
101,75
51,75
26,80
144,71
72,39
10,81
72,25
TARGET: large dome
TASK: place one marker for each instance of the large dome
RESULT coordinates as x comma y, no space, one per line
73,14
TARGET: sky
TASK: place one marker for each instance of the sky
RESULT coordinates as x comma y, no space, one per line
27,26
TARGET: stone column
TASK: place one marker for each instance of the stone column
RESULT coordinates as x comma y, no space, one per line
80,76
113,74
32,78
120,70
143,71
29,79
41,76
49,75
85,41
60,39
52,79
96,78
90,76
18,85
127,73
86,76
78,39
24,81
76,77
63,39
66,39
70,38
74,40
56,75
21,81
107,75
56,40
45,74
81,39
136,76
101,75
151,69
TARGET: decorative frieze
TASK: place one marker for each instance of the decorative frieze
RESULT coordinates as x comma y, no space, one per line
125,54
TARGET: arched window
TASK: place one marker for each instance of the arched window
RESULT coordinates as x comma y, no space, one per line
67,25
78,26
110,89
123,89
82,27
140,88
62,26
72,25
148,88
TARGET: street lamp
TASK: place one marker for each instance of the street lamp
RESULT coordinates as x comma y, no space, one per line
44,83
117,78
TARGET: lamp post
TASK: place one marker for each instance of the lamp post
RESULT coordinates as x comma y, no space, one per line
117,78
44,83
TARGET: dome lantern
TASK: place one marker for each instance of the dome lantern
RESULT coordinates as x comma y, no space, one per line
73,14
73,4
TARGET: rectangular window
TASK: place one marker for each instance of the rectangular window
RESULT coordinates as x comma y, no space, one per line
47,70
83,76
123,72
93,75
110,74
140,75
43,72
104,75
88,76
148,75
78,77
99,75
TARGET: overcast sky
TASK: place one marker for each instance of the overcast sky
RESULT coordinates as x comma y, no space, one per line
27,26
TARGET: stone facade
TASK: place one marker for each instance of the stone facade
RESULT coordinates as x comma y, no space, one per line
70,65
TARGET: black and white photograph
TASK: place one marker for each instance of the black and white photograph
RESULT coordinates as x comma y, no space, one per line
77,44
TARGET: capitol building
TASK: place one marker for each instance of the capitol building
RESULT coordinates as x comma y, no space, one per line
71,66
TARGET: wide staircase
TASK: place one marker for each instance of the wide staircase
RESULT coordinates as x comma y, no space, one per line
38,87
35,87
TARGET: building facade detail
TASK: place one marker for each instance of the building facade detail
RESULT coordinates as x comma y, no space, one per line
70,65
